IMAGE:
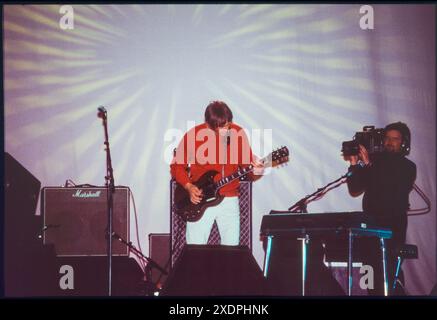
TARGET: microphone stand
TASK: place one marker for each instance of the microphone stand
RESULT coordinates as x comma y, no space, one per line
110,189
138,253
301,205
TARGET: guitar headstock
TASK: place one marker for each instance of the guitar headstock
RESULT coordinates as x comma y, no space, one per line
279,156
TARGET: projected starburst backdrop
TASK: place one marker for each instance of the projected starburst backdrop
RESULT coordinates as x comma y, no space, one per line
308,72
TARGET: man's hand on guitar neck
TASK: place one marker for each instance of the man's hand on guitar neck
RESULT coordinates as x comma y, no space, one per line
258,169
195,193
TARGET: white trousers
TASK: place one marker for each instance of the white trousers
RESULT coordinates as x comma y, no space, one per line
227,216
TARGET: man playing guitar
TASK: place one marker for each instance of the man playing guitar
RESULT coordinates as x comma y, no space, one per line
222,146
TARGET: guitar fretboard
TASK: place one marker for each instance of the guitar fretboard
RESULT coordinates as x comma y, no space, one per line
237,175
278,155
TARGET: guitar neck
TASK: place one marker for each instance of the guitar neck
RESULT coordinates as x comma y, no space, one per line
237,175
275,158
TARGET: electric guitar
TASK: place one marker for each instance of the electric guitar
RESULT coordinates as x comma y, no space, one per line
193,212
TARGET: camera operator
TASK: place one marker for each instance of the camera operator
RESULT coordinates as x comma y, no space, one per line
386,178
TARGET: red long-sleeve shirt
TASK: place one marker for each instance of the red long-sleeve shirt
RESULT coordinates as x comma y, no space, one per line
205,150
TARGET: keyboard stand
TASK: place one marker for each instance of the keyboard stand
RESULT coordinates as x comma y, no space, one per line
305,234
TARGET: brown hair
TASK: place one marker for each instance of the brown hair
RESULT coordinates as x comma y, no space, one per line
217,113
405,133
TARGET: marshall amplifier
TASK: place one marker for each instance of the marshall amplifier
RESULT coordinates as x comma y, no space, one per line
75,220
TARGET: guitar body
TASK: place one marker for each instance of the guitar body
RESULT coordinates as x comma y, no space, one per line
193,212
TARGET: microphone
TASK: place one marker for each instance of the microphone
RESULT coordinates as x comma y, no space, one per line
101,112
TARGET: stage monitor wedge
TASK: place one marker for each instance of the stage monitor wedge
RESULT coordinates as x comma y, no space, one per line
215,270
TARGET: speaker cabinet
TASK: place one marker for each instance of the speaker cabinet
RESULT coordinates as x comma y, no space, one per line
27,263
75,220
21,197
212,270
159,251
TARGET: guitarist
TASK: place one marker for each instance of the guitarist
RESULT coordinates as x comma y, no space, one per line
220,145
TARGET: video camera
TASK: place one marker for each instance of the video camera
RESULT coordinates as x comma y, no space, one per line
372,139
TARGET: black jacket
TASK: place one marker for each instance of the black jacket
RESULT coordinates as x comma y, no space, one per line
386,184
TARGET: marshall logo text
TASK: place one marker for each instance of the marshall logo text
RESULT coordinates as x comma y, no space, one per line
86,194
